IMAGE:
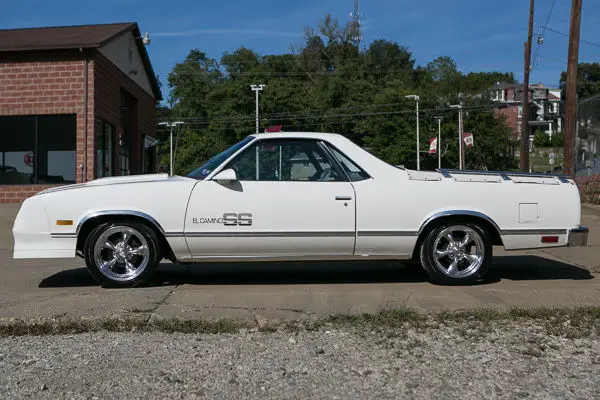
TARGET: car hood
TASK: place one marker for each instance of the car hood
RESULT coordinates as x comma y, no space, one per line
114,180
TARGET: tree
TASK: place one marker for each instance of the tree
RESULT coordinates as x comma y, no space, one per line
240,61
588,80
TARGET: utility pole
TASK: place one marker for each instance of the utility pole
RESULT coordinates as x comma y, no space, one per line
416,98
571,92
439,142
171,125
461,150
257,88
524,150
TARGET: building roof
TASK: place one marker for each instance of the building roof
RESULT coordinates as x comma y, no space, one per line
74,37
60,37
552,96
504,85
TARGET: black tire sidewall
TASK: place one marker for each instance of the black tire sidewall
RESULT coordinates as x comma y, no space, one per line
436,276
139,280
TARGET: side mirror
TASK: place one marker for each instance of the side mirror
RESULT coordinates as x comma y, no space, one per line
226,176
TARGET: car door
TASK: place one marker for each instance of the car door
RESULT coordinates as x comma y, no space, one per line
290,199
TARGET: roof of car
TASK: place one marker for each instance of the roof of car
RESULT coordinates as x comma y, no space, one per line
295,135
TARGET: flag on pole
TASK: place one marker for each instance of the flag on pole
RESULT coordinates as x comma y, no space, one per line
433,145
276,128
468,138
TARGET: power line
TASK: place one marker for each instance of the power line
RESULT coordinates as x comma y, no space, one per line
537,49
556,60
248,100
221,124
247,118
567,35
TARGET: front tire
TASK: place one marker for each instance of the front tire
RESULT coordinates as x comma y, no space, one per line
456,253
122,254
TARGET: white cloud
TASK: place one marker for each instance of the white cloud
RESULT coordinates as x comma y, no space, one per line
234,31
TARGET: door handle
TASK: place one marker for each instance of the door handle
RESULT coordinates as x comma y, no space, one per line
343,197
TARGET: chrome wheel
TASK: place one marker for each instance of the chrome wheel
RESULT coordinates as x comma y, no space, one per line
121,253
458,251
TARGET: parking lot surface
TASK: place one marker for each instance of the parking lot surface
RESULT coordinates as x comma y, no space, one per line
296,290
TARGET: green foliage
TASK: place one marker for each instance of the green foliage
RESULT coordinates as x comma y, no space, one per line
541,139
588,80
330,84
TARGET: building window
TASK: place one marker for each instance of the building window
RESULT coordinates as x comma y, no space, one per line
105,146
520,112
37,149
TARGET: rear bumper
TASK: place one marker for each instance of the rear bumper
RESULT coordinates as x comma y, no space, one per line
578,236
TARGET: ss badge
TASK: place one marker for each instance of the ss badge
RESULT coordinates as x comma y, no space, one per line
237,219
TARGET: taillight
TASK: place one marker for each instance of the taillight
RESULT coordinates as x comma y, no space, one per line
549,239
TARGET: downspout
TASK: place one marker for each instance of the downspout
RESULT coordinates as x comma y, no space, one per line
85,110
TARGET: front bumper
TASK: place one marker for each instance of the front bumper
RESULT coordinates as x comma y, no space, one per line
578,237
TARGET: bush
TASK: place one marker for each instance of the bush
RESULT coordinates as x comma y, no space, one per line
541,139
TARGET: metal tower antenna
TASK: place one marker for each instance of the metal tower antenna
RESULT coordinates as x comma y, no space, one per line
356,20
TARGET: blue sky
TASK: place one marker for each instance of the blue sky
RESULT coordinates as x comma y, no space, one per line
480,35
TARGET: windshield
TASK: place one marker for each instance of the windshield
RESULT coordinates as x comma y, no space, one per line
206,168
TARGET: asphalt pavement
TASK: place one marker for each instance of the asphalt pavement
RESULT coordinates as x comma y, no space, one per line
296,290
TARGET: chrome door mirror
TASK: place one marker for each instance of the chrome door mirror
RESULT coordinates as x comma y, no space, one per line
226,176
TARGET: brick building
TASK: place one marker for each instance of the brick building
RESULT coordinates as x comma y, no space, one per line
546,113
76,103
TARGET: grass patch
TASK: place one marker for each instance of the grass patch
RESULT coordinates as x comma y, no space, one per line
387,318
130,323
565,322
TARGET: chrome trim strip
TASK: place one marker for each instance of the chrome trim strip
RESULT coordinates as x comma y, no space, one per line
302,257
119,212
581,229
63,235
449,213
174,234
515,232
269,234
445,171
387,233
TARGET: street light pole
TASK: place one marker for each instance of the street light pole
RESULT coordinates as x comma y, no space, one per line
171,125
256,89
460,134
416,98
439,142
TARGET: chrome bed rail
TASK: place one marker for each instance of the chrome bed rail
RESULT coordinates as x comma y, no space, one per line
505,175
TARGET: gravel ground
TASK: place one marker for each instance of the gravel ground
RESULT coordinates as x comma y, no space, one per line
503,359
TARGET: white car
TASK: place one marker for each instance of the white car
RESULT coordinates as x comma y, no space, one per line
299,196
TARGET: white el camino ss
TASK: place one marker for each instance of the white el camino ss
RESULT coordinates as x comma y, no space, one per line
299,196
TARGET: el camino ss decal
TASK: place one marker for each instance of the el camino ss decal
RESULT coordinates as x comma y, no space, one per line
228,219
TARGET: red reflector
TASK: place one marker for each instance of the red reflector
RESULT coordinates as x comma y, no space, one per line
549,239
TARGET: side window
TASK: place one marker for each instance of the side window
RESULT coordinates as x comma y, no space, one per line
285,160
355,173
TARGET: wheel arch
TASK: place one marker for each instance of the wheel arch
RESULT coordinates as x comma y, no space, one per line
90,221
461,216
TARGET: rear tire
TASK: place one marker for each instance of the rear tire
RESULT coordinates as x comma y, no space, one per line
122,254
456,253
